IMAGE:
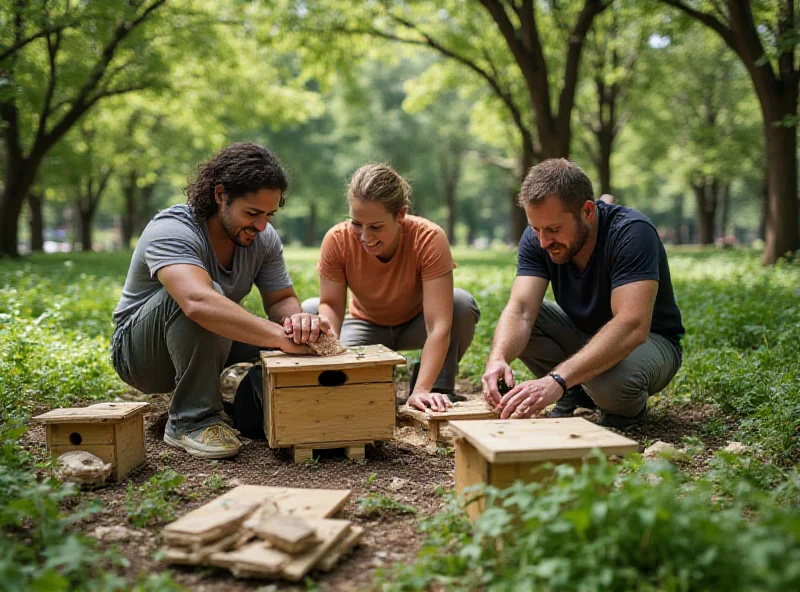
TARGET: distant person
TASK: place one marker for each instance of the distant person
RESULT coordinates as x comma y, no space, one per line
399,271
179,322
612,337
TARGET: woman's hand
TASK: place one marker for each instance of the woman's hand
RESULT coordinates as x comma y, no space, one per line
425,400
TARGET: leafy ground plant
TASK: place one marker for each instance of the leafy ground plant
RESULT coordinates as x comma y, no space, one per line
379,504
154,501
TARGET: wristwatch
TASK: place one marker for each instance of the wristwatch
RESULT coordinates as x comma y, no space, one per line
561,382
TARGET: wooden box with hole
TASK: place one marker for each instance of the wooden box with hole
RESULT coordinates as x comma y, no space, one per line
500,452
342,401
112,431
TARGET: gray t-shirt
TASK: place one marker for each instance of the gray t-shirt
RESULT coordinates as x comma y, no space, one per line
173,236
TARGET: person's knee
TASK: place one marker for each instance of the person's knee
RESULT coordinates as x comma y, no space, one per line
617,391
311,306
465,308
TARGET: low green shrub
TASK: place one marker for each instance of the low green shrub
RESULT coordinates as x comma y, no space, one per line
153,502
645,528
379,504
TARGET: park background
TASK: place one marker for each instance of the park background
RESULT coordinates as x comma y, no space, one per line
686,111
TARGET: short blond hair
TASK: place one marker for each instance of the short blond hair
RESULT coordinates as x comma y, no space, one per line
380,182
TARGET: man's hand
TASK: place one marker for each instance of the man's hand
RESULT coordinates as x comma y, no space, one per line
303,327
436,401
494,370
529,398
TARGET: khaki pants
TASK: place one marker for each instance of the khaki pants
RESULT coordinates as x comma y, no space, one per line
624,388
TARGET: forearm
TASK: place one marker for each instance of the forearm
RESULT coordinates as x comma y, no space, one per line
612,344
511,335
432,359
218,314
334,315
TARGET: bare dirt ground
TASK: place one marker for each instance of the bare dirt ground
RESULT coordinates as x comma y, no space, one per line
388,539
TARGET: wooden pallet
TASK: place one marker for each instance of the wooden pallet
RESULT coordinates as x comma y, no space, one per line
353,450
433,421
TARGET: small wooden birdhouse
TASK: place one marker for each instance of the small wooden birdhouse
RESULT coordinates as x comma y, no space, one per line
500,452
341,401
112,431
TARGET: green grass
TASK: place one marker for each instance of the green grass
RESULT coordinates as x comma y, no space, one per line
741,355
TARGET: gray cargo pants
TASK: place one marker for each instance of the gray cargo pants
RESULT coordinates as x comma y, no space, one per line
412,335
161,350
624,388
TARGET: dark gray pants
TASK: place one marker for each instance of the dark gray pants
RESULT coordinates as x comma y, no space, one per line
624,388
161,350
412,335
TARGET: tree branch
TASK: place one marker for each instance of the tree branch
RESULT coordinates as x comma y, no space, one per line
707,19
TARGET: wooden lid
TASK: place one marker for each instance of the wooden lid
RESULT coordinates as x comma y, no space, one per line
356,357
460,410
99,413
522,440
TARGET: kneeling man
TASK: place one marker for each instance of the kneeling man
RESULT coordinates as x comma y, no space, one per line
612,337
179,322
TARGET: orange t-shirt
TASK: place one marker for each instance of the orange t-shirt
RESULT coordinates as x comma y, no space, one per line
390,293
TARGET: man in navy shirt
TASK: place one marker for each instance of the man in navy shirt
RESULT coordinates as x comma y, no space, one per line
612,337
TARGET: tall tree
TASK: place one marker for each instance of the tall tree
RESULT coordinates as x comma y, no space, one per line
766,40
534,77
36,116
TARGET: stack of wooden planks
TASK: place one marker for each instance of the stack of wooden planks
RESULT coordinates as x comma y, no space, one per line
264,532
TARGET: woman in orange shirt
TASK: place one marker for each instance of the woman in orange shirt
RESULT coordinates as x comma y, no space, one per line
399,271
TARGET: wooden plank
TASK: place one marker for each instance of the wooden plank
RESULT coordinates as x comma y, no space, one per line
504,475
285,532
330,532
362,356
186,556
217,519
462,410
347,544
300,454
269,408
521,440
471,469
76,434
98,413
351,376
355,452
319,415
129,445
257,557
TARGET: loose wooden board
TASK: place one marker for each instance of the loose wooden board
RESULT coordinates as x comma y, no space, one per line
330,532
100,412
286,532
348,543
465,410
227,512
362,356
521,440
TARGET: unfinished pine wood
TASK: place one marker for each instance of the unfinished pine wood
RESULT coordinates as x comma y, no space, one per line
347,544
471,470
129,447
269,403
306,503
351,376
285,532
300,454
257,558
330,532
355,452
188,556
361,356
218,518
98,413
528,440
77,434
321,415
463,410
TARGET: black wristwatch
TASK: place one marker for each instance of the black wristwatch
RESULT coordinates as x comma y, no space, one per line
561,382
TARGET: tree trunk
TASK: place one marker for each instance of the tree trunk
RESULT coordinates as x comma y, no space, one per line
725,203
450,166
86,230
36,222
762,227
519,221
20,175
679,219
311,226
781,219
129,221
606,142
705,209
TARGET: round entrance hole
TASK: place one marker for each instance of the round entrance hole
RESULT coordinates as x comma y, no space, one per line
75,438
332,378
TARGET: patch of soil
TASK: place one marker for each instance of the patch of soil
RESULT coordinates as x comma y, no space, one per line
388,539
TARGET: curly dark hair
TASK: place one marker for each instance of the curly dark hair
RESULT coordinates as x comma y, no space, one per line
240,168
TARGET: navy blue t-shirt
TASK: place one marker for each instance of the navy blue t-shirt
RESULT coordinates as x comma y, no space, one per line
628,249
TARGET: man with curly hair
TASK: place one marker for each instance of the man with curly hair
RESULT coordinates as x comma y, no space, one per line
179,322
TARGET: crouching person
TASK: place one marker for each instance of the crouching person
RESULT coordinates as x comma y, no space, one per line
179,322
612,337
